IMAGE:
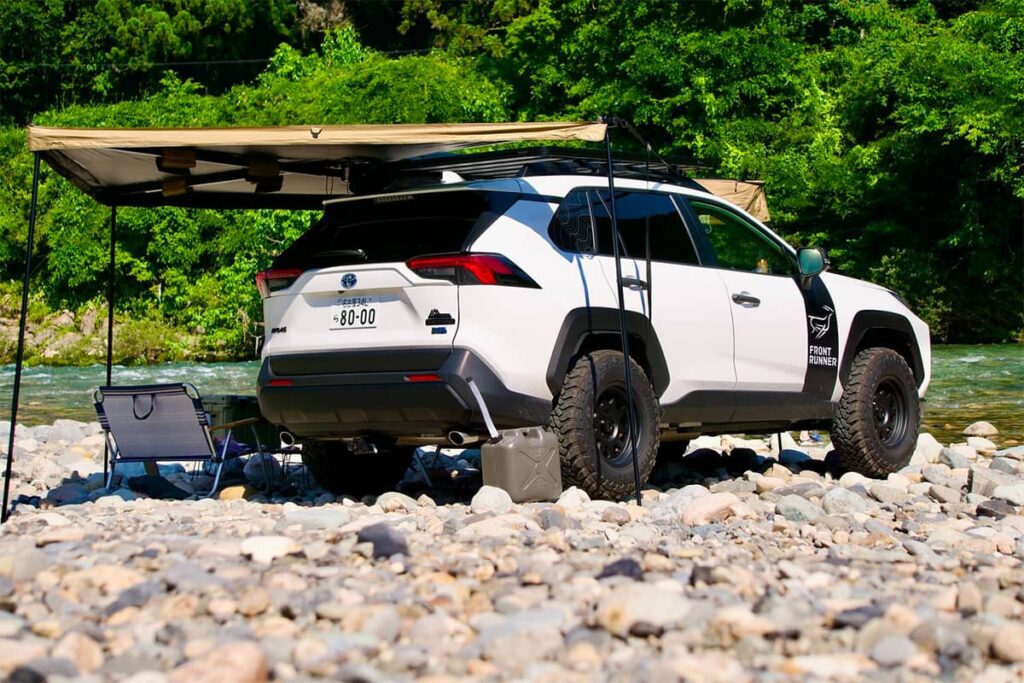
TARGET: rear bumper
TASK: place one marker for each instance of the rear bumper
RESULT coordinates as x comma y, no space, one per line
365,393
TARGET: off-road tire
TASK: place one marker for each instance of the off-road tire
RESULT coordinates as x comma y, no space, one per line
858,435
336,468
573,421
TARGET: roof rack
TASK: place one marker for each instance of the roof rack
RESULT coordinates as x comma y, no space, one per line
534,161
521,163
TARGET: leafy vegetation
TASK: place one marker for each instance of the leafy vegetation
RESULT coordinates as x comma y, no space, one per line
888,132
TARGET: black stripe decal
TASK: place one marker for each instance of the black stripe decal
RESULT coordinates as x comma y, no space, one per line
822,339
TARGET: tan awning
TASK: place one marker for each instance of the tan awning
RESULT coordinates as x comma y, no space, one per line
747,194
285,167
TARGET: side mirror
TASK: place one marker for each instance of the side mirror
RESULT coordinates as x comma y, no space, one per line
812,261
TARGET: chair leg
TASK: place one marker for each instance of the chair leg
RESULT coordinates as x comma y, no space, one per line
110,474
216,480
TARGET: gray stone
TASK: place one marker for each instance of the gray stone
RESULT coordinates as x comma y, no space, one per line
944,494
681,498
892,651
928,447
840,501
981,479
936,474
797,509
888,494
1014,453
995,508
640,609
980,428
981,444
553,517
393,501
804,489
734,486
386,540
317,517
1013,494
491,500
1003,464
953,459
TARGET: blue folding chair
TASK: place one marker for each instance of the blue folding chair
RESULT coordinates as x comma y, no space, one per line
148,423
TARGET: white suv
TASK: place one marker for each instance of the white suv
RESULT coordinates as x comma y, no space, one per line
378,317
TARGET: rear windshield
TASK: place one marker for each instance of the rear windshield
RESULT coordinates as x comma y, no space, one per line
396,227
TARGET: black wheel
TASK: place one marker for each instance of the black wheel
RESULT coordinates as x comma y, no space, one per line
336,468
875,426
592,424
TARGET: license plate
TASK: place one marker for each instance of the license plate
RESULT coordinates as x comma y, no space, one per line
354,313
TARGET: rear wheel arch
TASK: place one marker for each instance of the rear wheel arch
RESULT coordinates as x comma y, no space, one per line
882,329
585,330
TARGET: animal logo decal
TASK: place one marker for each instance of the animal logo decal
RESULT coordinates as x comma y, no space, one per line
820,324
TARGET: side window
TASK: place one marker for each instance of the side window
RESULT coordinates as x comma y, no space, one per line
738,245
641,214
571,228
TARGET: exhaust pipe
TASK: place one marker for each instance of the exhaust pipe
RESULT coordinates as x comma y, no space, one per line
287,439
462,438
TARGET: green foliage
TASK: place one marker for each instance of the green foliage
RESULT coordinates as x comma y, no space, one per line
890,133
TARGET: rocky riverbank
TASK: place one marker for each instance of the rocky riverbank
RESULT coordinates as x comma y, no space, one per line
743,564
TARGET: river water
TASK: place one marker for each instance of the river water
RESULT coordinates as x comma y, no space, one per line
969,383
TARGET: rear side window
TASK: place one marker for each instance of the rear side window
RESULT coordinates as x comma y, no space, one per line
582,225
395,228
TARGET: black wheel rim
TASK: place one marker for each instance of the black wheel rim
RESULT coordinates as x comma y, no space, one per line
611,427
889,407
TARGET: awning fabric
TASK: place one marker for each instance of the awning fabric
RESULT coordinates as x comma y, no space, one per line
290,167
746,194
284,167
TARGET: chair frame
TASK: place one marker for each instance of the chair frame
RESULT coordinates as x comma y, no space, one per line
202,418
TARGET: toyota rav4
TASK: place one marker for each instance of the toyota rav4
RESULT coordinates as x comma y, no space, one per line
386,315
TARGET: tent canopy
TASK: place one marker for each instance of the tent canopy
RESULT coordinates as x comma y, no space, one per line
286,167
292,167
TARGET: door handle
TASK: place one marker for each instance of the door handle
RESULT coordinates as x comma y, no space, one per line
744,299
633,283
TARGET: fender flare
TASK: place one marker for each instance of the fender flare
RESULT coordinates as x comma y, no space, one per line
867,321
580,323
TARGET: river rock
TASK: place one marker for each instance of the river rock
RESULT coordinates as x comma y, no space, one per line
953,459
710,508
1008,644
640,609
1011,494
981,444
980,428
81,650
797,509
266,549
928,447
385,540
841,501
262,471
240,662
892,651
492,500
981,479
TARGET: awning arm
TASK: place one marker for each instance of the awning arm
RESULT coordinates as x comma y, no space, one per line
5,511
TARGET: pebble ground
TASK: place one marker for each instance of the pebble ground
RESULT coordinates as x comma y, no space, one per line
741,565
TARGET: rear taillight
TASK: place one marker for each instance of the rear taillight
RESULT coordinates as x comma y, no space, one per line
471,269
269,281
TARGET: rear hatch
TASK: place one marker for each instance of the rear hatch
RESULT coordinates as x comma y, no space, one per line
346,284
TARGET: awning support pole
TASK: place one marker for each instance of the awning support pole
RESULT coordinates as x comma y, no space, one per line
622,310
110,318
5,512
